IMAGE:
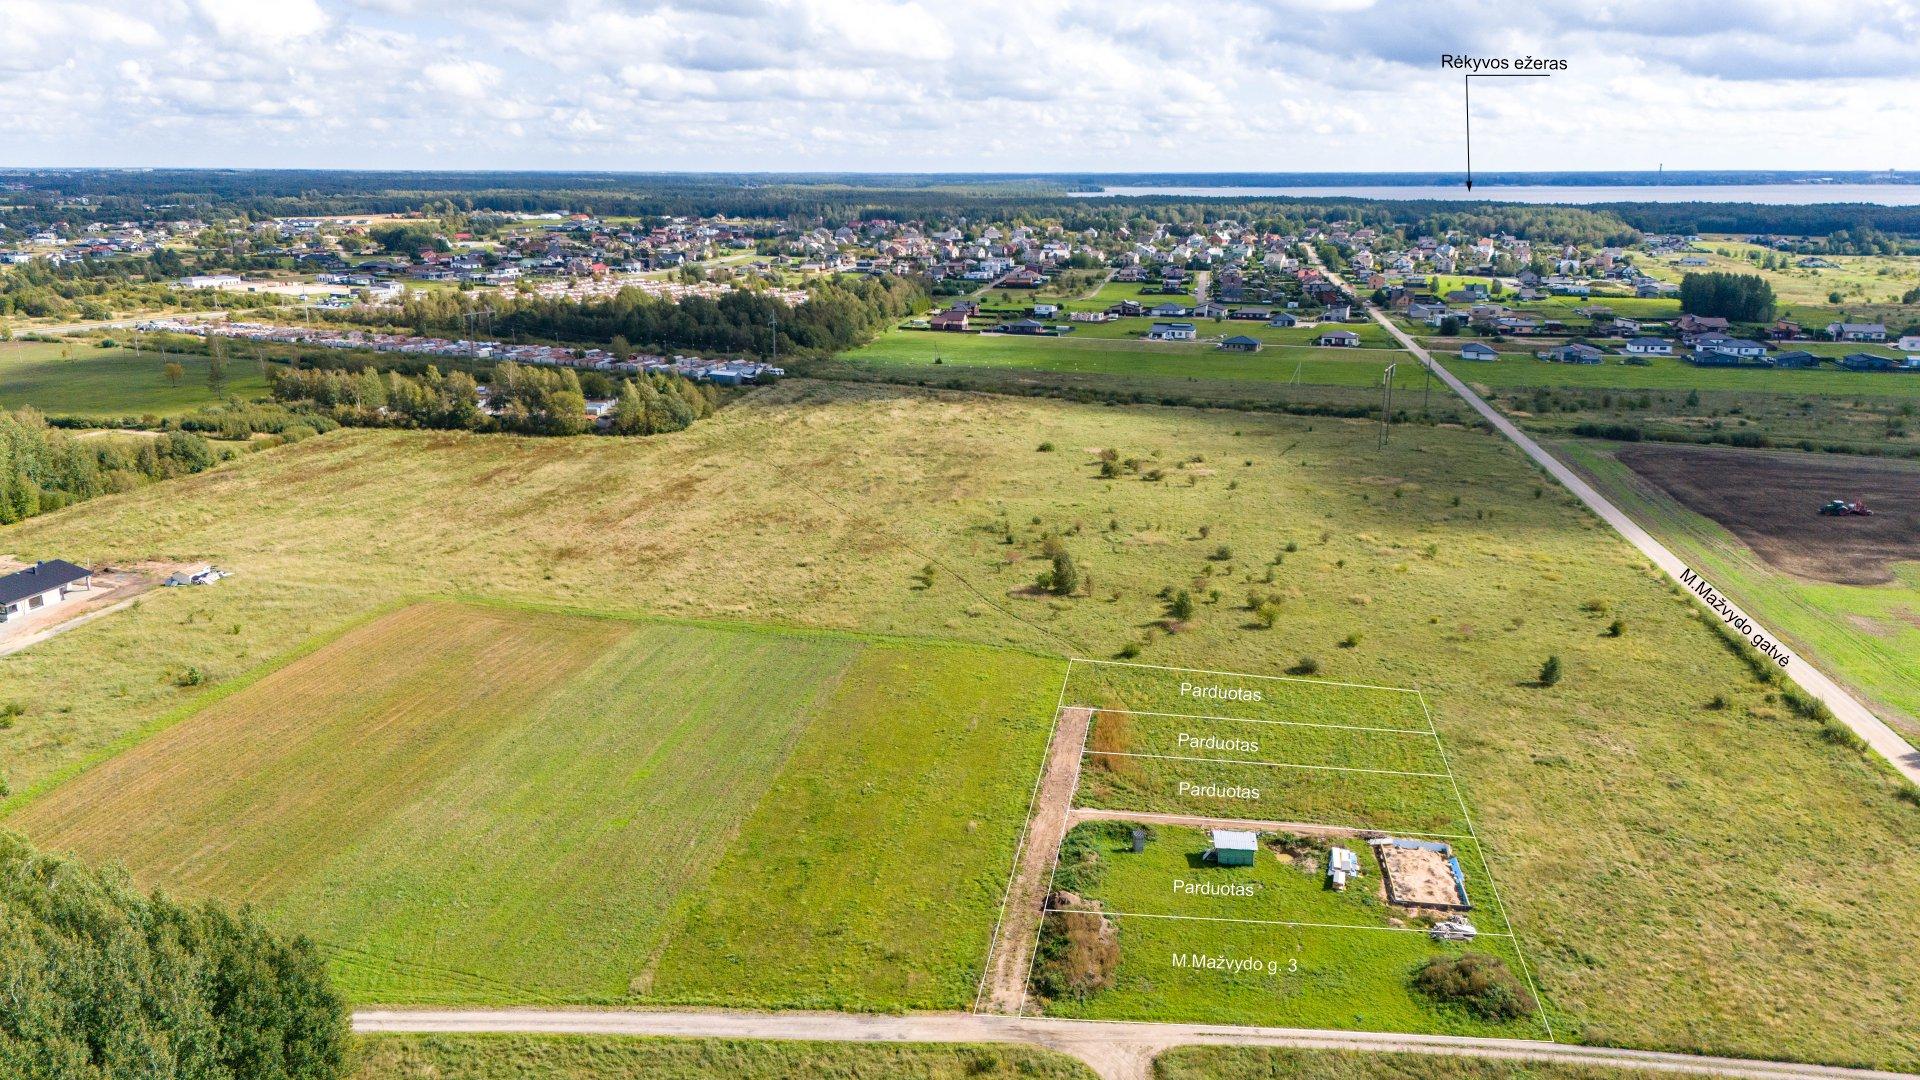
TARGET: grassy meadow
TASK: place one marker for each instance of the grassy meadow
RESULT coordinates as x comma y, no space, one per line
490,804
916,351
77,378
1681,875
566,1057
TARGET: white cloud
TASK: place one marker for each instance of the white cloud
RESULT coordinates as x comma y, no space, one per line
462,80
270,22
1018,85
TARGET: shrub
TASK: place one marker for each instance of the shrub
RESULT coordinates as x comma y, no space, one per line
1307,666
1077,952
1351,641
1181,609
1550,671
1616,628
1482,983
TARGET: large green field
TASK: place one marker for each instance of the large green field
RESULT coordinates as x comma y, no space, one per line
917,351
1682,871
77,378
496,804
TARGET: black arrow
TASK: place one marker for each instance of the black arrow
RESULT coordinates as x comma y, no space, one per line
1467,82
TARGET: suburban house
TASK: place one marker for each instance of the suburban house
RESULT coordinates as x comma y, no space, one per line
1648,346
1909,344
950,319
1282,318
1023,326
1251,313
1171,331
1210,310
1719,349
1241,343
1574,353
1693,326
1857,331
1799,358
1860,361
1345,339
24,592
1474,350
1168,311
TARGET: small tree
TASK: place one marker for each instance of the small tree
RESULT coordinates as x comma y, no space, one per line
1181,609
1550,671
173,373
1065,579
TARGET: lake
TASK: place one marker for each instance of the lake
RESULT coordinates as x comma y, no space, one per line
1770,194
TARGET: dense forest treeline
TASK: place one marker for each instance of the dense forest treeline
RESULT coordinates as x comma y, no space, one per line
47,196
103,983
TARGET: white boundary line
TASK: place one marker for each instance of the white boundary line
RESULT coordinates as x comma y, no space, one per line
1264,922
1270,764
1526,969
1253,720
1247,675
1026,830
1480,849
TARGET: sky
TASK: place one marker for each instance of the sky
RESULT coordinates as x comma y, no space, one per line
956,86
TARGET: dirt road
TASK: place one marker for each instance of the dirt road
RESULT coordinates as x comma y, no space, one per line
1116,1051
1004,988
1884,740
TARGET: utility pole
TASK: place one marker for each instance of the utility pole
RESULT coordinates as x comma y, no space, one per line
1386,404
773,320
1426,394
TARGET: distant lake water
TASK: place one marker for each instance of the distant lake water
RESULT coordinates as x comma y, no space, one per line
1772,194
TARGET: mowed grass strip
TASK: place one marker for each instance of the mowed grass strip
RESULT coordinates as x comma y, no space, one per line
246,797
871,874
1425,805
1264,741
1186,692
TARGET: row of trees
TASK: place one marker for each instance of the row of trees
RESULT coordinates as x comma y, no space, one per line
837,315
43,468
1738,297
101,982
528,400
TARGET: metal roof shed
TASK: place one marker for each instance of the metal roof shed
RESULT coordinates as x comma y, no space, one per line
1232,847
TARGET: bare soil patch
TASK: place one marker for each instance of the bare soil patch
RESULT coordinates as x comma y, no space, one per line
1417,877
1770,500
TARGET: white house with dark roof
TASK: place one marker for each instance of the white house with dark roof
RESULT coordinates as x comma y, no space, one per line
40,586
1854,331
